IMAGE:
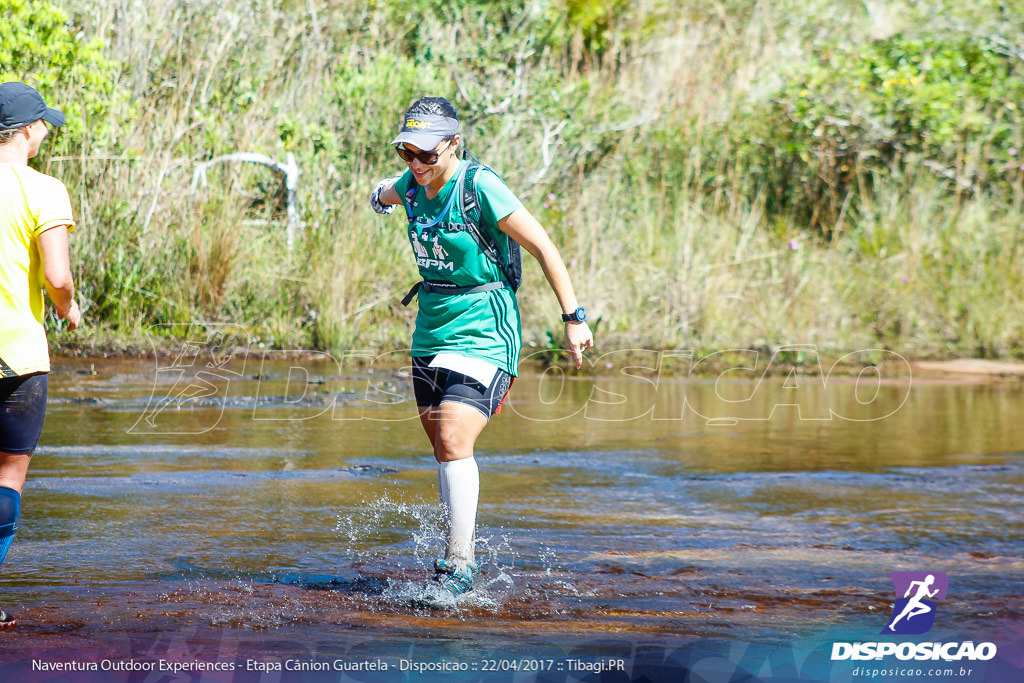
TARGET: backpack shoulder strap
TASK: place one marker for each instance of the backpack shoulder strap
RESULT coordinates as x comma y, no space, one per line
483,234
410,197
470,198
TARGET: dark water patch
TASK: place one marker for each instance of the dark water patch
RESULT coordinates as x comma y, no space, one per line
153,410
184,569
127,454
609,463
79,400
359,584
185,481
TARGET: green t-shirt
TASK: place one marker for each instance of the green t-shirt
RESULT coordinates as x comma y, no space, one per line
484,325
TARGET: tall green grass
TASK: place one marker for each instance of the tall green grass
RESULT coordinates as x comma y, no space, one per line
612,126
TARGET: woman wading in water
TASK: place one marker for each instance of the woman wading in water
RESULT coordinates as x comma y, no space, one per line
465,228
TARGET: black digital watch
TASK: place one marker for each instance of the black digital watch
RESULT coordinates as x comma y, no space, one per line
577,316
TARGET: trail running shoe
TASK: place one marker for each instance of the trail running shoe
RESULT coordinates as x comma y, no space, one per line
453,579
6,619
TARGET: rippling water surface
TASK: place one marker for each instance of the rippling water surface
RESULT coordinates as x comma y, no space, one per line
264,507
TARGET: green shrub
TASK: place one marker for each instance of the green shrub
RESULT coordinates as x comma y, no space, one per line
945,102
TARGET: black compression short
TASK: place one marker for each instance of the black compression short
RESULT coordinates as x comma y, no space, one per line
434,385
22,408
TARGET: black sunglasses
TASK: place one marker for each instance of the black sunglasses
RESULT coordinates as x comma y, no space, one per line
428,158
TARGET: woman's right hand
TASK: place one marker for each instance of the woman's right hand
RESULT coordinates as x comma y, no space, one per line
74,316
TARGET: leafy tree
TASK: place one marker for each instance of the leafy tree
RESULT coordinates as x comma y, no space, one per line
40,46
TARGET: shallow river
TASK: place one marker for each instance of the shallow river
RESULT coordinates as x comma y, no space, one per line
258,512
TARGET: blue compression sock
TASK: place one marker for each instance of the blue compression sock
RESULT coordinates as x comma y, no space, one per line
10,511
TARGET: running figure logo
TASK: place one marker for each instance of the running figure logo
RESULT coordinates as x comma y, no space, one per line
914,613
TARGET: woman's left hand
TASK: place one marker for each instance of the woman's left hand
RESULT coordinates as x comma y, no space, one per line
578,338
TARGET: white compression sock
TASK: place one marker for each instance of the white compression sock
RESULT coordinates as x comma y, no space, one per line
459,484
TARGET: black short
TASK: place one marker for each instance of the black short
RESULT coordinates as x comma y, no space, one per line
434,385
22,408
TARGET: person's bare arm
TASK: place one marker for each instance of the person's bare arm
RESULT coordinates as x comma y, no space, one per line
60,285
521,226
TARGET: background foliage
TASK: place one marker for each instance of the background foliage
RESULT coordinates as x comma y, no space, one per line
739,174
41,46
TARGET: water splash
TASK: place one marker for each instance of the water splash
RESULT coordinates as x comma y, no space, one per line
402,539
